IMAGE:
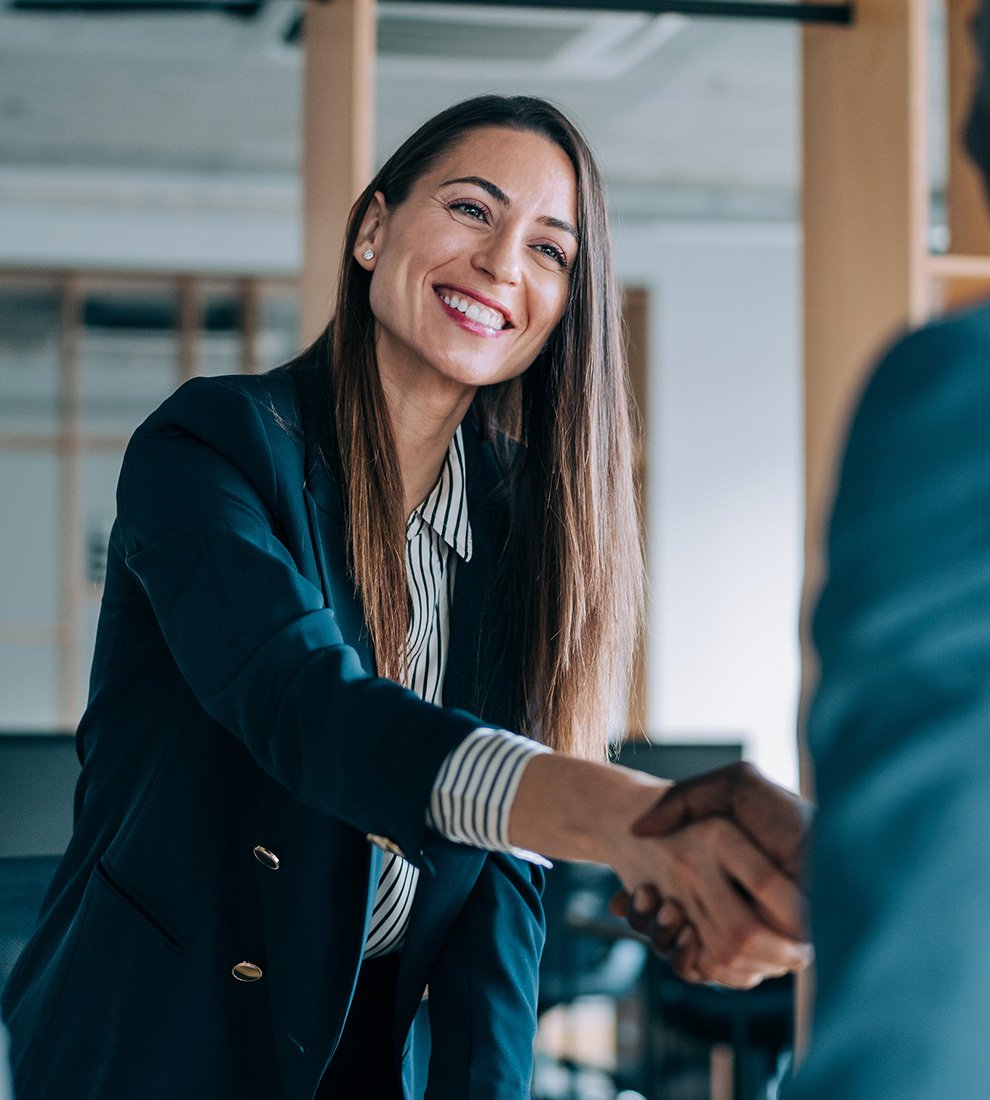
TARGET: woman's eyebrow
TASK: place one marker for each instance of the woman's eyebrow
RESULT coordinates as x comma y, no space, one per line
493,189
503,199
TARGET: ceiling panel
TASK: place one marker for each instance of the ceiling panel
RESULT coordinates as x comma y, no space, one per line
671,104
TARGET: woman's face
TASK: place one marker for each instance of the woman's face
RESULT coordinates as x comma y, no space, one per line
471,272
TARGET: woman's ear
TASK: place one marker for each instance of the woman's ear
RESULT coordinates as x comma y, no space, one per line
371,235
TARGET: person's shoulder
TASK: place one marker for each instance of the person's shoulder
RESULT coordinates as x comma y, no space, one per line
272,396
941,343
947,356
255,422
235,411
970,323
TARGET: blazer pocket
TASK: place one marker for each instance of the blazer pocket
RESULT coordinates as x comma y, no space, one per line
104,876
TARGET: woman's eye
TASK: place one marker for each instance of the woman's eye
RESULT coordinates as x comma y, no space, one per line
555,253
470,208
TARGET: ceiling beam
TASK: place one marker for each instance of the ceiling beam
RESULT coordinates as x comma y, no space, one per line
841,13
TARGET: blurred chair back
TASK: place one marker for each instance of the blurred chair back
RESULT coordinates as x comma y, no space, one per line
678,761
587,952
23,882
38,773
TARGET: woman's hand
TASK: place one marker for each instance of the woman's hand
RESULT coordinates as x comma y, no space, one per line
664,925
657,920
745,914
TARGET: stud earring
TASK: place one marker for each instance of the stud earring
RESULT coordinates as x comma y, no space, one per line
368,254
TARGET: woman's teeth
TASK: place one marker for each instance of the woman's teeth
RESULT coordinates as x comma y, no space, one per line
490,318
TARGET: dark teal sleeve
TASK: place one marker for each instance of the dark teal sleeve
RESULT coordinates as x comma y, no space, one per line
212,516
900,736
484,985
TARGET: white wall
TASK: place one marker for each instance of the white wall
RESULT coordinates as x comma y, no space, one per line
149,221
725,472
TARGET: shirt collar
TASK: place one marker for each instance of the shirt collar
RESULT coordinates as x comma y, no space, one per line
446,508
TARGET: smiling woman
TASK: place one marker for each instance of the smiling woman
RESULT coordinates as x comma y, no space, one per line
351,607
498,203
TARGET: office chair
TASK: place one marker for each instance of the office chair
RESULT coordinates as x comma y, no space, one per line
587,952
23,882
758,1024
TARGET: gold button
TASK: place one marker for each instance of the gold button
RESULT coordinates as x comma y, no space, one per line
247,971
266,858
386,845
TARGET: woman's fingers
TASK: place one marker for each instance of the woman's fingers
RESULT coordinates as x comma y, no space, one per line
660,921
670,927
618,903
685,953
736,957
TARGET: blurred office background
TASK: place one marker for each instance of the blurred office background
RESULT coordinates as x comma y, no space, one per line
150,230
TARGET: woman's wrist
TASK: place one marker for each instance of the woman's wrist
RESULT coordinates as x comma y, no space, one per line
573,809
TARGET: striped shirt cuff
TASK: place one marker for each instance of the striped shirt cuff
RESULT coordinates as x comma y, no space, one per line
475,787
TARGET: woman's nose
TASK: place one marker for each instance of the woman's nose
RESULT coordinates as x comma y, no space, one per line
501,257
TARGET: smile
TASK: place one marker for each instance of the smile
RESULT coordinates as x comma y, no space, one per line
485,317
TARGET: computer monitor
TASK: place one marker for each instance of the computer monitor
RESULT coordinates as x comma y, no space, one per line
680,760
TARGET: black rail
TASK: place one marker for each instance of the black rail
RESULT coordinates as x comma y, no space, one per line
729,9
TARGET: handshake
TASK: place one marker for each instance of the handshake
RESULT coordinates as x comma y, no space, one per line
728,908
709,867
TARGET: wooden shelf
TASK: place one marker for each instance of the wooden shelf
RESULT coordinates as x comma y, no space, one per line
951,266
957,280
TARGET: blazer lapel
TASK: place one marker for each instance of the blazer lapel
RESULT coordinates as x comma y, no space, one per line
475,679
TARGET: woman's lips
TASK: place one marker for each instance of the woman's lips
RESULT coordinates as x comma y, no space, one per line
470,313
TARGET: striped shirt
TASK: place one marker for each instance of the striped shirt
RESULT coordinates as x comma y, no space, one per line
472,796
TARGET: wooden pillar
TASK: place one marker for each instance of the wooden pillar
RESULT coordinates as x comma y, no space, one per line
70,559
250,295
338,114
865,210
187,358
865,218
866,273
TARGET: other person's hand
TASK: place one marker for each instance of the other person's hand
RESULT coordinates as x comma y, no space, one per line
730,915
773,817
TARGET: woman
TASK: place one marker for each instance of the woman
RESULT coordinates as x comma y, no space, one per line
282,855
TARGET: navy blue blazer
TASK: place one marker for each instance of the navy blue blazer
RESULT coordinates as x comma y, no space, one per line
234,704
900,735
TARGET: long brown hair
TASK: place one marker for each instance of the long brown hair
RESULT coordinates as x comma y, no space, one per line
573,565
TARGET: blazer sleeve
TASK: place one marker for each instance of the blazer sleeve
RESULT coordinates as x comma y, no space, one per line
900,735
206,494
483,987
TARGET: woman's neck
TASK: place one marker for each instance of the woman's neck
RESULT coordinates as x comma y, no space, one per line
424,419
